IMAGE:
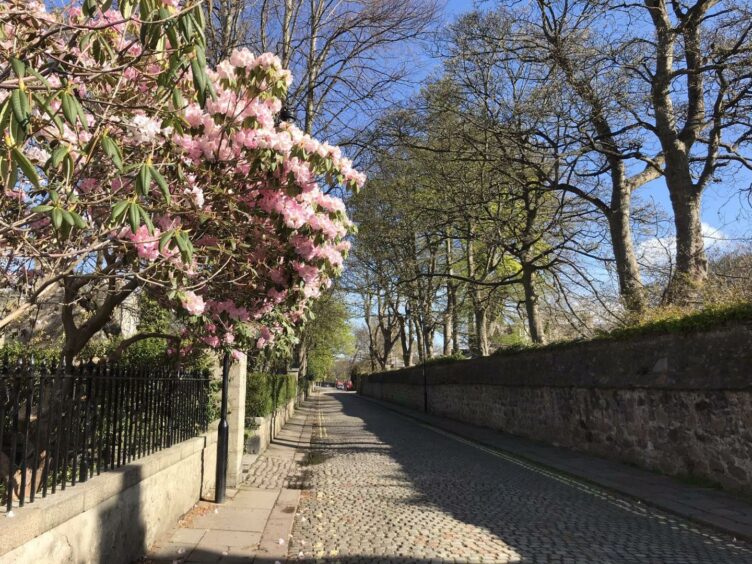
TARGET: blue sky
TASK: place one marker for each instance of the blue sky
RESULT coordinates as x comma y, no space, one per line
725,208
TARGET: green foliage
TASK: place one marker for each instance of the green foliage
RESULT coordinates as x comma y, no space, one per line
14,351
677,320
329,334
267,392
661,321
446,359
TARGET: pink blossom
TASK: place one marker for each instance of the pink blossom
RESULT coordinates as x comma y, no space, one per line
193,303
211,340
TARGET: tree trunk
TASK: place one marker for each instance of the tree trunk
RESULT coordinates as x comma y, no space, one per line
449,321
622,242
531,305
481,330
406,341
691,260
76,337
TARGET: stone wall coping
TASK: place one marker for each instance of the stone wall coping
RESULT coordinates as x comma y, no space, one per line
718,359
47,513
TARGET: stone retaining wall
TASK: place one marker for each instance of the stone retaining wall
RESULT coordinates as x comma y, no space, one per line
116,516
266,428
680,404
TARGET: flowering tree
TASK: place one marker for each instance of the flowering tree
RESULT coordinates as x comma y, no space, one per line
128,165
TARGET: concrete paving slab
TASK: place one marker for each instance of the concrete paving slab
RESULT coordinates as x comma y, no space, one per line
188,536
172,551
255,498
250,514
234,519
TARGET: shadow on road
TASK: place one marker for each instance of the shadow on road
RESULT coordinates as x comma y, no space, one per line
538,516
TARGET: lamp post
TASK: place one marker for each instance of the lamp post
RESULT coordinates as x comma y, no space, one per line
223,431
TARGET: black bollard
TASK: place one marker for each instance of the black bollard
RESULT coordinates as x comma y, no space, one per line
220,484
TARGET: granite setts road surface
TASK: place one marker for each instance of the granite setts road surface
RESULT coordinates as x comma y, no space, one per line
379,487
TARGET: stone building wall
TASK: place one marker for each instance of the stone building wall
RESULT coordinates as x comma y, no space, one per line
680,404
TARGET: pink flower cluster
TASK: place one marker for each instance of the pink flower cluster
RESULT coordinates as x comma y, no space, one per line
193,303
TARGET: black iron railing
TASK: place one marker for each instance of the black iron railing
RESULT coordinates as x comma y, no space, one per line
62,425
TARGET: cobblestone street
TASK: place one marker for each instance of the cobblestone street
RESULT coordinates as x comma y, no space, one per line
380,487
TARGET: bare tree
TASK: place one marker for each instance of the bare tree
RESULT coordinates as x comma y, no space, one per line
347,57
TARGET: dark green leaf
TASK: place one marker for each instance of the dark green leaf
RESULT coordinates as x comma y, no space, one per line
118,210
57,218
69,110
134,215
78,220
67,217
143,179
147,221
19,105
112,150
161,182
18,67
25,164
164,239
59,154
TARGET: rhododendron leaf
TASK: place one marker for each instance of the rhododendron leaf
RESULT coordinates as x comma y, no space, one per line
36,74
177,99
20,106
17,131
5,113
85,41
68,167
172,33
25,165
67,217
161,182
89,7
80,112
143,180
69,110
126,8
198,17
112,150
44,104
147,221
199,81
58,155
134,216
65,231
118,210
78,220
18,67
9,172
164,239
186,26
186,251
57,218
42,209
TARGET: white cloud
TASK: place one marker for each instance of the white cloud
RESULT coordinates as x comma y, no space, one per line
658,252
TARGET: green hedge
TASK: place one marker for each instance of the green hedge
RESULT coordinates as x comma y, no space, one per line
267,392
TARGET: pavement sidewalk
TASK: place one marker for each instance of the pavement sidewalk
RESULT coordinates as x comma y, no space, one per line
706,506
255,522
